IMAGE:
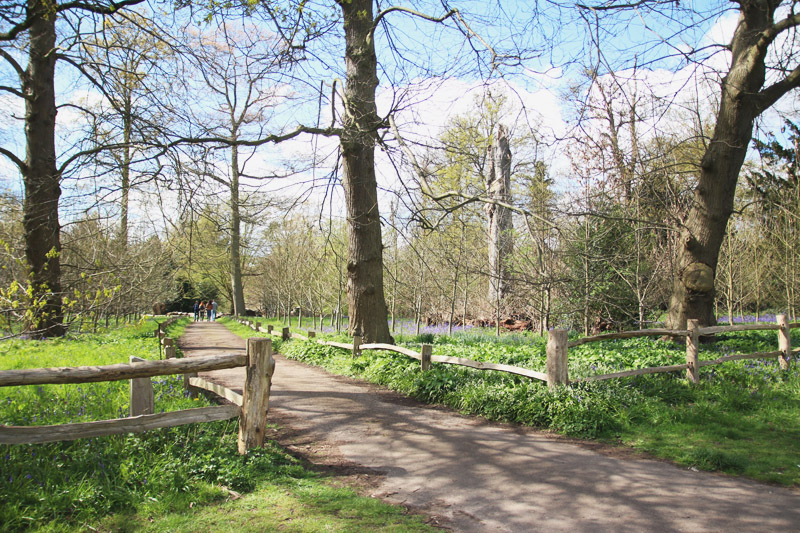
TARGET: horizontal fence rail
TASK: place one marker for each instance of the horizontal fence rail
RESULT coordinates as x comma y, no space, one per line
692,334
120,371
744,356
444,359
480,365
117,426
224,392
637,372
630,335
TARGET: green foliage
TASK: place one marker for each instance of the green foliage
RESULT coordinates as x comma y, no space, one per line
604,262
136,481
245,332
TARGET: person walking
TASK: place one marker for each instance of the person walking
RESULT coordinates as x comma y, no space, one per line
213,310
196,310
208,311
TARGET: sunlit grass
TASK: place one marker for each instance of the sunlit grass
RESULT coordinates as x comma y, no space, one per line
175,479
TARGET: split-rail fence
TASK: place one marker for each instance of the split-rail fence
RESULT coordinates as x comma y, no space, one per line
558,349
250,407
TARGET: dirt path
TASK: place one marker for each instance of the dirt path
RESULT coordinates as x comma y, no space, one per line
472,475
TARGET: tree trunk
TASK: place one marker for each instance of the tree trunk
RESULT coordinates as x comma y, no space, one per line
367,303
127,126
498,186
704,230
41,177
237,290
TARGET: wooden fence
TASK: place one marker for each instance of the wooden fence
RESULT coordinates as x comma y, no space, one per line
558,351
251,407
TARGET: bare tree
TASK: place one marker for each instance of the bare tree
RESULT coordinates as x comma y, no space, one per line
240,70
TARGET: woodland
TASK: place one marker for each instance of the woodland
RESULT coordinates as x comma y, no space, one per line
420,176
592,167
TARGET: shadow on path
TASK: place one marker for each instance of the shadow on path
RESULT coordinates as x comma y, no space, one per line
481,476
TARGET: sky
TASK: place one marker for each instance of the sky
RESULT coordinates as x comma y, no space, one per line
437,74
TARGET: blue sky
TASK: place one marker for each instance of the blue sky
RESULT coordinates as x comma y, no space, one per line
436,68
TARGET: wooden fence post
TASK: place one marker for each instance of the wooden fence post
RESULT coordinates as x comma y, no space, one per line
269,329
286,334
784,342
168,343
160,335
356,346
141,398
258,326
312,334
192,392
557,373
427,349
692,350
253,420
169,352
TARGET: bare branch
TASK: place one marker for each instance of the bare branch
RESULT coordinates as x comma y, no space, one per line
14,159
13,62
463,199
768,96
12,90
109,9
410,11
225,141
611,6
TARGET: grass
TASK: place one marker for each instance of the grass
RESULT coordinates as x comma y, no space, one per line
246,332
742,419
175,479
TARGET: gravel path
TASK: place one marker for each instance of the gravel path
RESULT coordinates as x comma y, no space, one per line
472,475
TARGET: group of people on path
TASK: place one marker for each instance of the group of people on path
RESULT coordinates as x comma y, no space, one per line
204,309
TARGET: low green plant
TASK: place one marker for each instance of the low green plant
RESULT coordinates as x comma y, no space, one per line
247,332
158,480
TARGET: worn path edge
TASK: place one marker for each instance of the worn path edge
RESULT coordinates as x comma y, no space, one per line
474,475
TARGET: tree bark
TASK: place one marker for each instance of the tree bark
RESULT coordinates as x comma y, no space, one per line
125,171
367,302
41,177
742,100
237,289
498,186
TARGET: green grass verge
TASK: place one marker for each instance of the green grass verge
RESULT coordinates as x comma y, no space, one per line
175,479
742,419
246,332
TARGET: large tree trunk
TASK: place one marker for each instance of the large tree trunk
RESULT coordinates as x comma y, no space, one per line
702,235
498,185
367,303
237,288
42,181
